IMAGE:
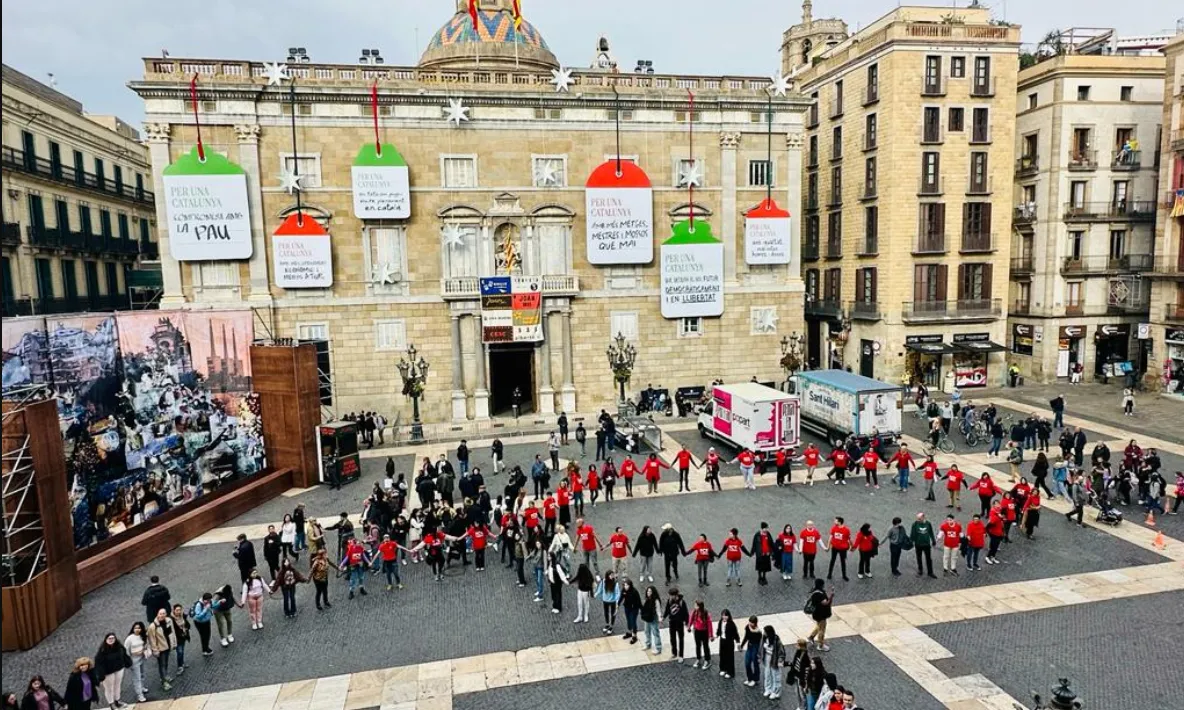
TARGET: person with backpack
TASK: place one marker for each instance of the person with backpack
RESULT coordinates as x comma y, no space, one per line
796,675
678,615
285,582
819,608
898,542
868,545
1015,458
202,614
582,439
772,659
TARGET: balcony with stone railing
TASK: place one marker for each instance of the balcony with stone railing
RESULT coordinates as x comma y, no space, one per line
469,287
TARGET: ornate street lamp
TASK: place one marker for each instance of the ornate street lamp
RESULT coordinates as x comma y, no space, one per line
1063,698
791,353
621,358
414,372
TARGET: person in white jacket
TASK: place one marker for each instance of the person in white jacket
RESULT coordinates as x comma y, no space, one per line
288,537
136,644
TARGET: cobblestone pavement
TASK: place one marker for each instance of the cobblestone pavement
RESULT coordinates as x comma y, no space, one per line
1155,415
876,682
1118,654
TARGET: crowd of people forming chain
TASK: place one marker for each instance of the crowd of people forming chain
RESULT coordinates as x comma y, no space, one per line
548,543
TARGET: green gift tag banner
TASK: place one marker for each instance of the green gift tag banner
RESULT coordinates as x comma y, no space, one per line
368,157
214,164
683,233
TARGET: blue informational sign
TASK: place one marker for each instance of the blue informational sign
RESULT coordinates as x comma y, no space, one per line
496,286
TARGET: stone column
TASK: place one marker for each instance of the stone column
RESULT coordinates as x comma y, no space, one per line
546,390
157,135
793,202
459,400
481,389
248,156
728,143
567,396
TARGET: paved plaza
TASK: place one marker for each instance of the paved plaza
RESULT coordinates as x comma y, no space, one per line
1071,602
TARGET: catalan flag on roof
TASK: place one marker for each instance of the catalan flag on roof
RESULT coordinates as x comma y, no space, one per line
517,14
473,13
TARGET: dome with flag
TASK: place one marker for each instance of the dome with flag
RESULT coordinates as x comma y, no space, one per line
494,43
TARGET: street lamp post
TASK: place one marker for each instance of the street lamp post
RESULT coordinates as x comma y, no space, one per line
414,371
621,358
791,353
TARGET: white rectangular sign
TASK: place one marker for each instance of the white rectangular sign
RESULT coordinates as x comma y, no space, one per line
302,261
381,192
692,280
209,219
766,240
620,225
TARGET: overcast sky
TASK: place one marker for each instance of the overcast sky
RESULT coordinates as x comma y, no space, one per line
94,47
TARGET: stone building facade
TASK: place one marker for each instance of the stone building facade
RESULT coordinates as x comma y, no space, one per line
500,192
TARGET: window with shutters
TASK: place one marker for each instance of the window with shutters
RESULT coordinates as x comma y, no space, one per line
812,191
62,213
811,285
873,84
870,131
871,231
929,283
105,223
931,125
460,259
976,226
979,183
458,171
974,283
813,236
869,178
1073,296
933,85
931,238
836,186
554,246
388,255
931,173
982,84
307,165
1117,244
125,231
980,125
834,235
958,67
812,152
390,334
836,148
834,285
112,277
624,323
865,285
760,173
84,219
957,120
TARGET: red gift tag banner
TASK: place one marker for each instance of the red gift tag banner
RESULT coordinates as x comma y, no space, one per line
767,234
302,253
619,208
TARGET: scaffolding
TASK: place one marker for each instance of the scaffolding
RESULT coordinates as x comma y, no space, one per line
23,529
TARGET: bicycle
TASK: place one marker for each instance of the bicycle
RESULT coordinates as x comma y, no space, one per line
944,445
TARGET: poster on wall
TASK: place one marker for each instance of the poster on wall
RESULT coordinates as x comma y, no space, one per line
511,309
1021,339
302,253
767,234
970,370
26,353
692,279
381,183
208,214
619,206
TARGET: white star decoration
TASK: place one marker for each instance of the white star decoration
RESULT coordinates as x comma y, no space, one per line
276,72
456,112
384,273
765,320
453,236
290,181
780,84
692,175
545,174
562,80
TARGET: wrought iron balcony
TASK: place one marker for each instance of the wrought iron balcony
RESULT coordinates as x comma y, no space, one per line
1083,160
1102,264
17,160
865,310
826,307
976,242
1027,165
1173,312
54,238
984,88
1023,265
1020,308
1168,267
1024,215
11,234
986,309
930,243
1126,160
1115,210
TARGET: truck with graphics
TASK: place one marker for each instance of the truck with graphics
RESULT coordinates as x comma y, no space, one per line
837,404
751,416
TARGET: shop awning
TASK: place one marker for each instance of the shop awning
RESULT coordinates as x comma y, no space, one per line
981,346
931,348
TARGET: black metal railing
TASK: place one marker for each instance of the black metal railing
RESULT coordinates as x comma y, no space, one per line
1023,264
1024,214
1106,264
865,310
16,159
828,307
976,241
1126,160
11,234
964,309
78,304
1134,210
1027,165
1173,312
54,238
1083,160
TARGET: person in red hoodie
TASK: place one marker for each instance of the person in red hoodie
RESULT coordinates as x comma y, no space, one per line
867,545
577,492
628,469
840,542
703,632
620,549
683,461
951,537
593,482
550,514
704,556
809,540
811,457
786,542
976,538
871,465
932,472
840,459
653,472
987,490
563,500
955,482
995,530
589,544
733,551
530,517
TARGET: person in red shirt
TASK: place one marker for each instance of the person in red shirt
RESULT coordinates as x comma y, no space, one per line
867,545
932,472
840,459
904,465
996,529
951,537
619,546
479,535
593,480
589,544
550,514
955,482
563,500
733,551
653,472
811,457
711,462
1010,507
976,538
809,540
747,461
784,463
704,555
1030,517
683,461
786,542
577,492
840,542
628,469
871,464
530,517
987,490
389,551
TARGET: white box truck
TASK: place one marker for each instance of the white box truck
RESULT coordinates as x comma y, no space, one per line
837,404
751,416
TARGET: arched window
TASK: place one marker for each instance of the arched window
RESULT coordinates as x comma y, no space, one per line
807,45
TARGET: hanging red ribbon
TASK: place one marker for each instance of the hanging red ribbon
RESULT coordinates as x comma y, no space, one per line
201,149
374,107
691,144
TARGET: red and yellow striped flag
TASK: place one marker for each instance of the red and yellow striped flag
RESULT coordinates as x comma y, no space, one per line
517,14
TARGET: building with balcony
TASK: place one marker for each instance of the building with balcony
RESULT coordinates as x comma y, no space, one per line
501,193
907,197
1083,223
1165,345
79,211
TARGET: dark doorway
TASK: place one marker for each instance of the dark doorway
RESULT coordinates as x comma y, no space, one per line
867,358
814,343
511,366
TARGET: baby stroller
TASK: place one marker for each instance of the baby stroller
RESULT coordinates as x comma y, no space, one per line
1107,513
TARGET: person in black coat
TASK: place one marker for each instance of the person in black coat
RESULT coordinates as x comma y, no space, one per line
729,636
272,546
110,662
155,597
670,542
10,701
1079,441
763,547
646,546
37,685
244,552
678,615
82,687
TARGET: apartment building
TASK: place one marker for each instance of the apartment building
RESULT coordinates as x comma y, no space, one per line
1087,136
78,206
1166,336
907,197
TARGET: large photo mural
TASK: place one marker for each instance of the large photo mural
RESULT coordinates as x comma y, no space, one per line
156,407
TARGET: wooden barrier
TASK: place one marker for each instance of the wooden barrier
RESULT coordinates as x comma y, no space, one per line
286,380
